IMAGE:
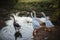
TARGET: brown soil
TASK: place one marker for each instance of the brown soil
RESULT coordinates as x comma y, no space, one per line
47,33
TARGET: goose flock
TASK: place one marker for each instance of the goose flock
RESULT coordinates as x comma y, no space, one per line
26,26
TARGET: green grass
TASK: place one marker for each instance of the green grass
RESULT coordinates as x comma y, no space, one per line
33,0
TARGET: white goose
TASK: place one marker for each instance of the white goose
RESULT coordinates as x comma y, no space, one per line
17,13
47,21
35,23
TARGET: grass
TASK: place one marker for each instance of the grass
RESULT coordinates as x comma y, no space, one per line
32,0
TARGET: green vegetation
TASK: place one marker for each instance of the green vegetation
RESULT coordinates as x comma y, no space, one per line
50,7
33,0
7,4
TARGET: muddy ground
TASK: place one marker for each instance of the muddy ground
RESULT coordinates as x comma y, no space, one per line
48,33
